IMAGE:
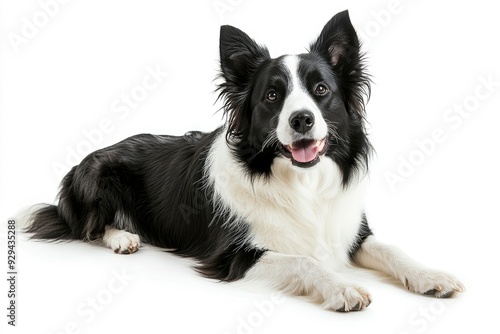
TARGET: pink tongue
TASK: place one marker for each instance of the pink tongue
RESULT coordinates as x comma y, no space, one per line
305,154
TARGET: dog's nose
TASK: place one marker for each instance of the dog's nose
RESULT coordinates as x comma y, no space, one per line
301,121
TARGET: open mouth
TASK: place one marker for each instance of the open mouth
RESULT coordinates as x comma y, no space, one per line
305,152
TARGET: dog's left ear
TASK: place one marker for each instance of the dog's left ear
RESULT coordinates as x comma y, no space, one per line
338,44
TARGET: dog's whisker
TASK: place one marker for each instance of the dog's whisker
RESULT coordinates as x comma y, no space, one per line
270,140
332,131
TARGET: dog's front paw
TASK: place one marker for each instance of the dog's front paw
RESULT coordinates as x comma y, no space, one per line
432,283
348,298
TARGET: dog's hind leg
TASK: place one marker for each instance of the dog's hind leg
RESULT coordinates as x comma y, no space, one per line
97,202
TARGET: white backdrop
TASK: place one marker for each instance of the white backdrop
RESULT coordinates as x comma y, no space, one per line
81,75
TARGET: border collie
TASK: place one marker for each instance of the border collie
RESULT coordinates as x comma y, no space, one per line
276,194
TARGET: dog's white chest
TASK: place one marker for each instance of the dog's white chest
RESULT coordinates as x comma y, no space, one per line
295,211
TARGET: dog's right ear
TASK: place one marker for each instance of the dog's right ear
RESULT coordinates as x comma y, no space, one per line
239,55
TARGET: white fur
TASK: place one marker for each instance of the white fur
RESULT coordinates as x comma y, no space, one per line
295,211
121,241
298,99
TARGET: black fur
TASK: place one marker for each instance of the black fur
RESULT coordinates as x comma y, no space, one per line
155,185
363,233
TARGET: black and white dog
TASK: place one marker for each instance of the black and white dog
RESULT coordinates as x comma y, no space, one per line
274,194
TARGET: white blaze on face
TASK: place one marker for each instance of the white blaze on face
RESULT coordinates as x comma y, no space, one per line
298,98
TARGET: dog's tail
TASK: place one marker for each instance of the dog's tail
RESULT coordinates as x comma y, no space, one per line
44,222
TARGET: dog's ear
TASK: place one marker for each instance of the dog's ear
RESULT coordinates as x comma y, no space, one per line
240,56
338,44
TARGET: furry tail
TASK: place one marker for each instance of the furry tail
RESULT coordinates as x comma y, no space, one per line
44,222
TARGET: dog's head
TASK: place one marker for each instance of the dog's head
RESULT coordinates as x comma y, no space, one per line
298,107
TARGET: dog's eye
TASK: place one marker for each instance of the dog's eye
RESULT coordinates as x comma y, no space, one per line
321,90
272,96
